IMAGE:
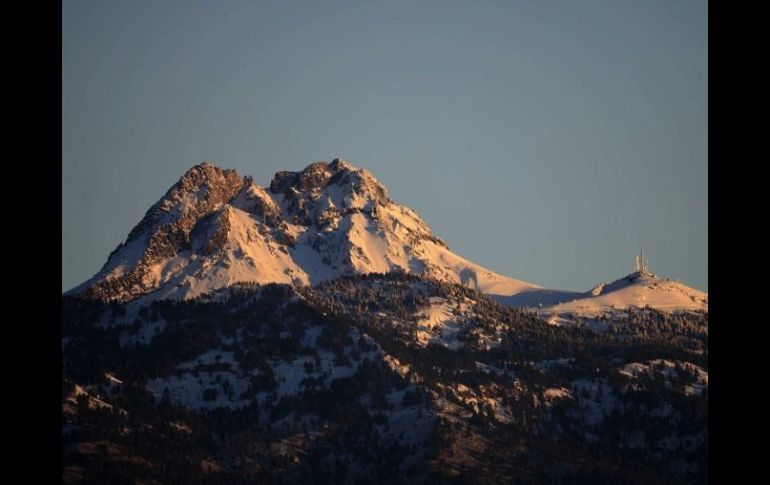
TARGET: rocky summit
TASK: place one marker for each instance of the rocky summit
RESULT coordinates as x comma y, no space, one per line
215,228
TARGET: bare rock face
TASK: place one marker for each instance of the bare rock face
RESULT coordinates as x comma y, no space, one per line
167,225
198,192
347,189
255,200
209,236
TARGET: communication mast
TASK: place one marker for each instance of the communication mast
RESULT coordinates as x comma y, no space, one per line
641,265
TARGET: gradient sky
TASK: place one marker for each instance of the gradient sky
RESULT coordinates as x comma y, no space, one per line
546,140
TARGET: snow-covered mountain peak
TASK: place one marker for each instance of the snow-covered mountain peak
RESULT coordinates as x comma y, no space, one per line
639,289
214,228
201,189
317,176
336,185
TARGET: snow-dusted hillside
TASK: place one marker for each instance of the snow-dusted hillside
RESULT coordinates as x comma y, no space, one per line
366,376
635,291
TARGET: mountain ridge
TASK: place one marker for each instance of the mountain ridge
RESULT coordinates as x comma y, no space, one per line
214,228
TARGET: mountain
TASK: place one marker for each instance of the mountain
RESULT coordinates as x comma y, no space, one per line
315,331
391,378
214,228
638,289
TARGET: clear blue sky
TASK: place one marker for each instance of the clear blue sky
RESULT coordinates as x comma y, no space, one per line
546,140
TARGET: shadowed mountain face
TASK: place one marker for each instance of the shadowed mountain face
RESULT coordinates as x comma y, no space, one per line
539,297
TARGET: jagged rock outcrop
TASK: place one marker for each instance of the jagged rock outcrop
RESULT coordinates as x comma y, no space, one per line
165,230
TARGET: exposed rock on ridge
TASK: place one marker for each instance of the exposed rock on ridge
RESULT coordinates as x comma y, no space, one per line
165,228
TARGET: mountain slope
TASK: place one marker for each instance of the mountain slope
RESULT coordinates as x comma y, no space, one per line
637,290
316,331
634,291
214,228
377,379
